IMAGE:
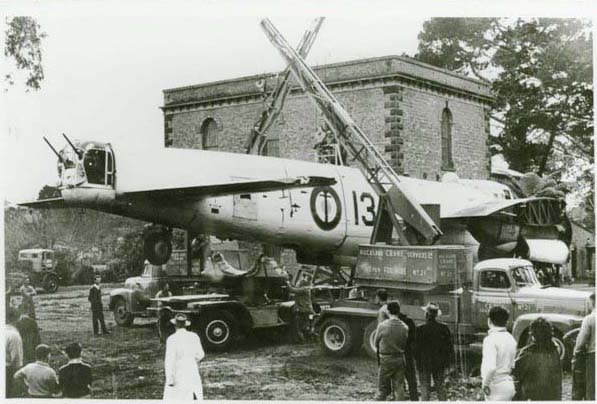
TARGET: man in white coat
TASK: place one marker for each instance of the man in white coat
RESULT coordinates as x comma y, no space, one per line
183,352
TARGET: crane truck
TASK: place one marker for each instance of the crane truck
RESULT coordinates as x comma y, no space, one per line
416,271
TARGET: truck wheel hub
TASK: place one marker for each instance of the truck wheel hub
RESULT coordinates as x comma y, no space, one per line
217,332
334,337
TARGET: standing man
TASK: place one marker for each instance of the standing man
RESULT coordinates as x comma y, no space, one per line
97,309
29,335
14,352
39,377
390,342
434,352
75,376
499,354
183,352
28,291
381,297
303,307
584,354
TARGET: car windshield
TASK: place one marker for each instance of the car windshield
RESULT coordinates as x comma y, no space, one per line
525,276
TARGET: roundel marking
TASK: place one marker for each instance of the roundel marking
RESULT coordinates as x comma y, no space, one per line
326,208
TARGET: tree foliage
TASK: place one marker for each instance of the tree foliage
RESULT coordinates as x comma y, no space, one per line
23,45
540,71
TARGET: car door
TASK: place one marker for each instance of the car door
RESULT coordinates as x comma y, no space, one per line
494,288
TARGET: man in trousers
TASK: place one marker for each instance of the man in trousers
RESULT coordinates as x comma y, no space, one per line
97,308
390,341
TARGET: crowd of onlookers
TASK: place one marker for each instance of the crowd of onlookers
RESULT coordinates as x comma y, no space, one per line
27,370
418,355
531,373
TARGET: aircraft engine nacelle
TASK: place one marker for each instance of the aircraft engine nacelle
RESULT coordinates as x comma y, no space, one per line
157,244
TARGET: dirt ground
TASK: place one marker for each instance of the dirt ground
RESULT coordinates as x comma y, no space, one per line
128,363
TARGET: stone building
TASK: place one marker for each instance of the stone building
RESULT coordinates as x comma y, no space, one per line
427,121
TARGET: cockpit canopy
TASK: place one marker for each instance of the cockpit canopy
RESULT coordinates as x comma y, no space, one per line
91,163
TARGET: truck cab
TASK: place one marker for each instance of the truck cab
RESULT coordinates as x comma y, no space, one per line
513,284
39,264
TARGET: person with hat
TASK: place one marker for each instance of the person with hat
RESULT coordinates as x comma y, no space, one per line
75,376
390,342
433,352
183,352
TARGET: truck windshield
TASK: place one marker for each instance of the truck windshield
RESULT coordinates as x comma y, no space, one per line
525,276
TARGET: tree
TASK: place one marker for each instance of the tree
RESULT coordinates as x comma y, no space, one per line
23,44
540,71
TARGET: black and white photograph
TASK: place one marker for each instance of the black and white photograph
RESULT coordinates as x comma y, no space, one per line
297,201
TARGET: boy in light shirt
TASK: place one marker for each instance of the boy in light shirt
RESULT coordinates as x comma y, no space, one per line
499,354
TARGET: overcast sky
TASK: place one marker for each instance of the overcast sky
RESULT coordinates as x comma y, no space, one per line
107,63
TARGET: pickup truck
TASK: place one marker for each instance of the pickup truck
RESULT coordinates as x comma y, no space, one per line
465,294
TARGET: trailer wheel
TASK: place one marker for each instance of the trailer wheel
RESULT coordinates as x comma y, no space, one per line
122,315
51,284
218,330
369,339
338,337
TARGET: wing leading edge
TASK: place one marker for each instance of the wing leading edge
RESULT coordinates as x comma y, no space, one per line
231,188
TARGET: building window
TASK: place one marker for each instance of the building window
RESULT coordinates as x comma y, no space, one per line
209,134
447,163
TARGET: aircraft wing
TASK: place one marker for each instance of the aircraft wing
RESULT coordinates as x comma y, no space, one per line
484,209
52,203
231,188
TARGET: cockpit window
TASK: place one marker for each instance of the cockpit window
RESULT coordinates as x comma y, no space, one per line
95,166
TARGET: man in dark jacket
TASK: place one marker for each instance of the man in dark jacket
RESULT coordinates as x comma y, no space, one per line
538,370
433,352
29,335
410,373
97,309
75,376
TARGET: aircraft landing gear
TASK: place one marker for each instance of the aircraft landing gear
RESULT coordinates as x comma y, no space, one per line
157,244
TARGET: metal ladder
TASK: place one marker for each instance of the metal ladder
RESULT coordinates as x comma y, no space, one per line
395,202
258,136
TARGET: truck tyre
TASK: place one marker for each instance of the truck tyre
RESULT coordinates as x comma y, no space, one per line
369,339
122,315
218,330
51,284
338,337
157,248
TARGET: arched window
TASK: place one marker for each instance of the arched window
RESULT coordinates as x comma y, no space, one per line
209,134
447,163
272,145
